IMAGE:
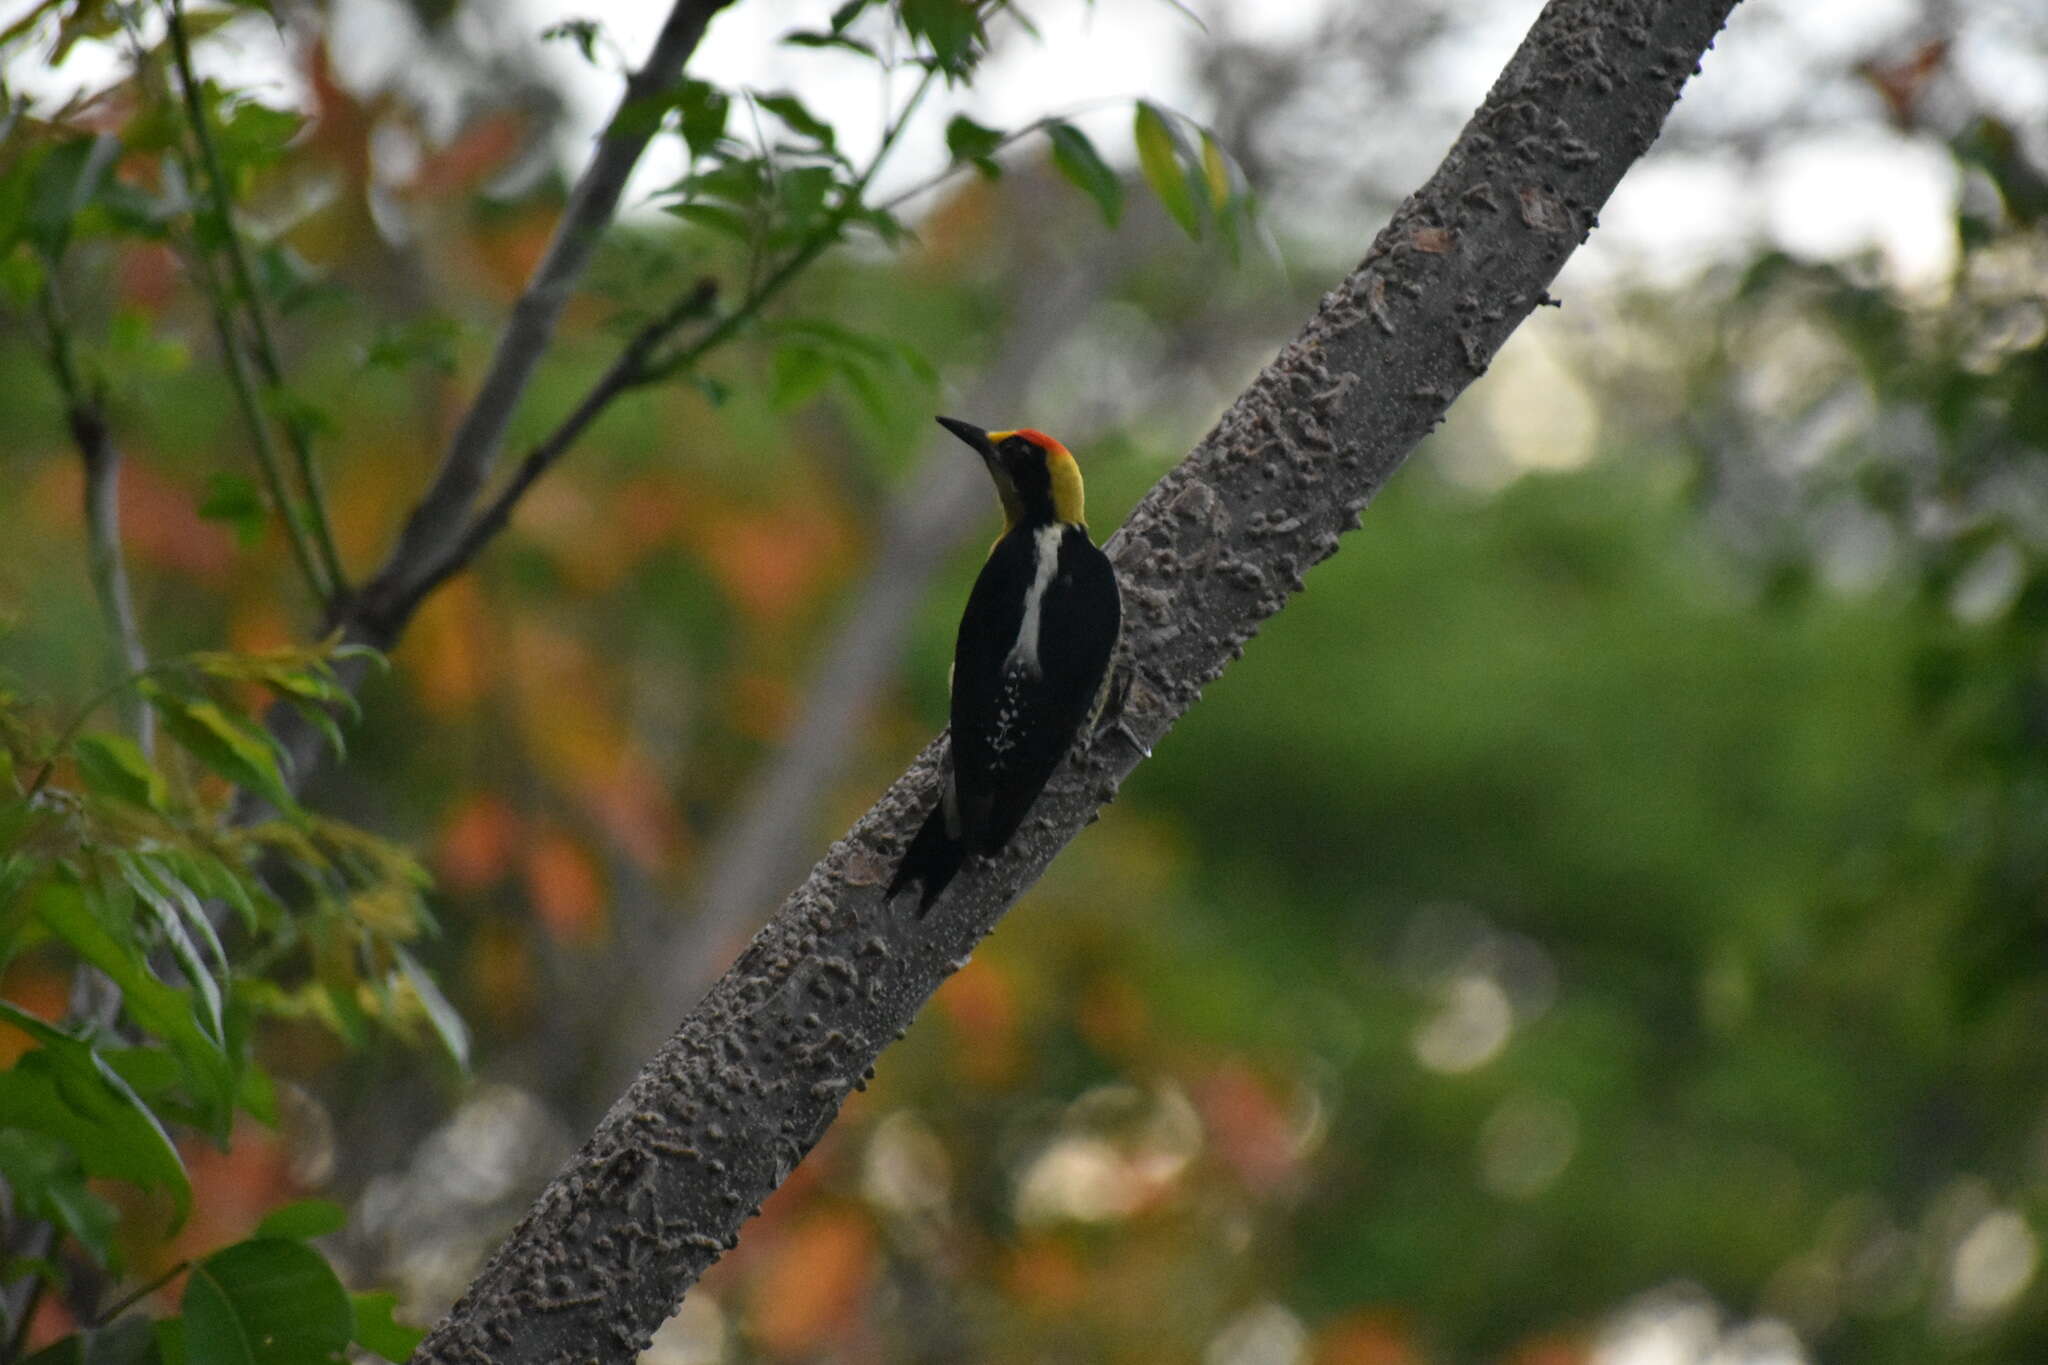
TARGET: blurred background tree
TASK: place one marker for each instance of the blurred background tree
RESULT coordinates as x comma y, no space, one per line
1622,943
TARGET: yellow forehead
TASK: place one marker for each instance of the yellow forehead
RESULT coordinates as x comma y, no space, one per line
996,438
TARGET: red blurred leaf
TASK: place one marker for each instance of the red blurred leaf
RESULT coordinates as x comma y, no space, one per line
813,1289
1366,1338
1047,1278
566,887
1248,1125
477,843
981,1004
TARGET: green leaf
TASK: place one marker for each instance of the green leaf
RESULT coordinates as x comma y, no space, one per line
1159,159
230,747
582,32
113,766
426,341
21,276
303,1220
250,135
128,1341
65,181
973,142
801,120
141,879
800,197
379,1331
714,217
702,109
65,1091
800,372
257,1095
266,1301
447,1023
1079,162
170,1341
162,1011
847,13
952,27
48,1182
812,38
233,499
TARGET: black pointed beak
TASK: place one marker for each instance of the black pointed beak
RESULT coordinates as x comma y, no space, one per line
971,434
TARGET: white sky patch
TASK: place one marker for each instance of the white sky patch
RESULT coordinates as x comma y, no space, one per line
1826,196
1669,218
1541,414
1829,197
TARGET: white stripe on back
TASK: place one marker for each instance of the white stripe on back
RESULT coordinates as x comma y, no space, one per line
1024,653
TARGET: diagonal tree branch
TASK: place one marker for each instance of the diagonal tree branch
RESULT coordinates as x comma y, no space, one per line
436,523
757,1071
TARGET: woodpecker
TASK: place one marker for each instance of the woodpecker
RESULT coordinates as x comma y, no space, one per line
1031,663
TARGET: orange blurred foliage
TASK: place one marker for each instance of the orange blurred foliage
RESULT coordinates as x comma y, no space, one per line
160,522
1366,1338
762,705
815,1286
40,990
1551,1349
1111,1014
980,1001
568,714
1248,1125
771,562
486,146
566,887
1046,1277
148,276
232,1190
576,532
632,805
477,844
443,652
500,972
650,512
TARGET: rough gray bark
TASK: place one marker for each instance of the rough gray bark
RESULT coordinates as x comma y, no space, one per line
756,1073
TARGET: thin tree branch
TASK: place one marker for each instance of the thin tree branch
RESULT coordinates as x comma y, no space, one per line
329,586
757,1071
436,523
633,368
86,415
636,366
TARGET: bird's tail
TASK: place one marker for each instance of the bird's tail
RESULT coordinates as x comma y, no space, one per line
931,860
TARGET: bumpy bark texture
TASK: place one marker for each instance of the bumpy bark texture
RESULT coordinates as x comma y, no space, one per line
757,1071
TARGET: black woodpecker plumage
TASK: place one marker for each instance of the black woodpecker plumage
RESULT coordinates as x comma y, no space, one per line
1031,665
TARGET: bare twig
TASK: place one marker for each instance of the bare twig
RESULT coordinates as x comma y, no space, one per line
436,524
757,1071
85,412
328,583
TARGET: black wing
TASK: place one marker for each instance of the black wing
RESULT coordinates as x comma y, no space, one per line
1015,712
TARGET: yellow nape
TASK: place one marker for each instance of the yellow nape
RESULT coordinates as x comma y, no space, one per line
1067,499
